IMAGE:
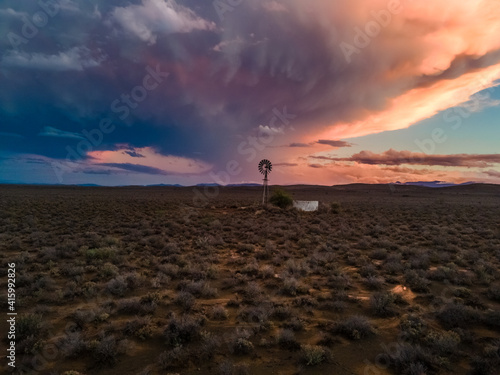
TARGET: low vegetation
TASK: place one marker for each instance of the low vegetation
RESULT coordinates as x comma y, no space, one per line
147,281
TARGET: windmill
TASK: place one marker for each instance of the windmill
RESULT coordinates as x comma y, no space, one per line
265,168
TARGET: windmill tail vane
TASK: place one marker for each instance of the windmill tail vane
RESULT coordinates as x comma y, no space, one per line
265,168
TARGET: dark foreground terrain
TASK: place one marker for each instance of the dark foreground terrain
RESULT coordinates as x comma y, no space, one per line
402,280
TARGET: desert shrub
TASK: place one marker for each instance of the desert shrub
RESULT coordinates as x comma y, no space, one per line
294,324
151,298
442,343
229,368
492,318
82,317
71,270
72,345
108,270
294,267
494,293
266,272
199,288
313,355
255,314
456,315
481,366
139,327
171,270
185,300
393,267
287,340
281,198
368,270
176,357
213,271
281,312
233,303
382,304
267,252
29,325
241,346
181,331
419,261
252,293
339,281
305,301
337,306
251,269
106,351
407,359
413,328
219,313
442,273
355,327
416,282
245,248
240,343
208,348
379,254
99,253
71,290
117,286
134,280
335,207
374,282
290,286
89,289
417,368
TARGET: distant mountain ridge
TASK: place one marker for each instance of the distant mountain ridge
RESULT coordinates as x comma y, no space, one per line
429,184
432,184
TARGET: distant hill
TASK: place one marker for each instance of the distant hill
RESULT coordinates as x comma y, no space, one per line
432,184
174,185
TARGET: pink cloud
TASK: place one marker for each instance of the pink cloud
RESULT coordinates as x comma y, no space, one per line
394,157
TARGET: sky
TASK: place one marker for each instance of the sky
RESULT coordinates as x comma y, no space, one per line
144,92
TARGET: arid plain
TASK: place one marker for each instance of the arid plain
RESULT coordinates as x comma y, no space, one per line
154,280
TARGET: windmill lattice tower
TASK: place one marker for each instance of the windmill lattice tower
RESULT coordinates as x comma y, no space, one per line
265,168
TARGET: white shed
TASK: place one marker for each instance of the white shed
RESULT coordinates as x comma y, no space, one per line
308,206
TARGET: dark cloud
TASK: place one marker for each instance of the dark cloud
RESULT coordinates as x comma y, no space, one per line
493,173
411,171
35,161
134,154
285,164
321,157
226,77
332,143
318,166
136,168
298,144
95,171
49,131
393,157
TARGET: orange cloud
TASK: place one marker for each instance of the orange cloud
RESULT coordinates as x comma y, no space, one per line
147,159
394,157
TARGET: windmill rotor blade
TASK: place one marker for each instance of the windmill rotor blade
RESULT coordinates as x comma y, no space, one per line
265,166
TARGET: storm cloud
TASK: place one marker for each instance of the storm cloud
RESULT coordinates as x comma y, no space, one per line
393,157
343,69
